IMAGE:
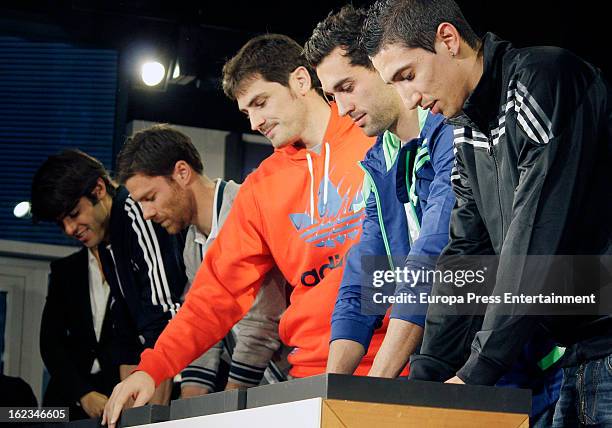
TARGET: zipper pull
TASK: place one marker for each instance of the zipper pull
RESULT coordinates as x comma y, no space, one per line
490,148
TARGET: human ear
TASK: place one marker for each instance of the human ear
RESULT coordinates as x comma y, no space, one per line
448,38
99,191
182,173
300,81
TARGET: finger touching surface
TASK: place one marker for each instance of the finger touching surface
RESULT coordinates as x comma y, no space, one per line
138,385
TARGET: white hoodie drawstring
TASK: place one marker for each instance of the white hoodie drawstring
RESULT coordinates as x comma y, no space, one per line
326,176
325,181
311,187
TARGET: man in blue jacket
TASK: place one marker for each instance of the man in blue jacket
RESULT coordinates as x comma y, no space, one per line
407,192
407,214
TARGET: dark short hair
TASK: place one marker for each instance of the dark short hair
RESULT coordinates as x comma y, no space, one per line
271,56
412,23
341,29
154,151
62,180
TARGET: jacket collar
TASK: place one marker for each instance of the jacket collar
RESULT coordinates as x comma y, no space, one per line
482,106
115,222
80,273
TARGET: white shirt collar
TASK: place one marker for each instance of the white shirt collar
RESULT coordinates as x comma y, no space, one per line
98,297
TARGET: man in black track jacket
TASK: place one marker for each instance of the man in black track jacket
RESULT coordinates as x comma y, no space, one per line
141,262
533,148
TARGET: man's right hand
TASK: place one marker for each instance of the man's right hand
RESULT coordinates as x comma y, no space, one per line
93,403
139,386
188,391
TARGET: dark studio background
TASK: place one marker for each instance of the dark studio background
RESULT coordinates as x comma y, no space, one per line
210,32
203,35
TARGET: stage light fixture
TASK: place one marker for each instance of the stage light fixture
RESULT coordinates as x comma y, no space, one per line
22,210
152,73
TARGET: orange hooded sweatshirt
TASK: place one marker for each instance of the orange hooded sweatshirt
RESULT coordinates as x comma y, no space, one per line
299,211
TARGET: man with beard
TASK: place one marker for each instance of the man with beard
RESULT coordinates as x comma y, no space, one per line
299,211
164,172
408,197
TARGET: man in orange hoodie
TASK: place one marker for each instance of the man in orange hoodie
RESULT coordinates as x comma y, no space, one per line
301,210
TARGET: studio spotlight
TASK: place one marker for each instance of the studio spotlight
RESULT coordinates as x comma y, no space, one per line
152,73
22,210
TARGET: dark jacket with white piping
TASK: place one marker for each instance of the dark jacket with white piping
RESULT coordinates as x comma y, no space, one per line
144,268
533,152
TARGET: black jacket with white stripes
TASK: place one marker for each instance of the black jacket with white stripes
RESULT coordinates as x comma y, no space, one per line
533,152
144,267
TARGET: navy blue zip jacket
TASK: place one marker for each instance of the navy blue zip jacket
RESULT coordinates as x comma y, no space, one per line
385,228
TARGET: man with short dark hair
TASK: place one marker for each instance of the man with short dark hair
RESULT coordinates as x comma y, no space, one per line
299,211
141,262
407,210
533,149
164,173
359,89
